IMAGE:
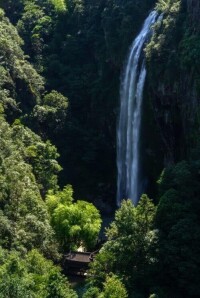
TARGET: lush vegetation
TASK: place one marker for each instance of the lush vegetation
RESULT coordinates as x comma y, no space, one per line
60,64
29,180
129,250
76,224
154,251
75,45
32,276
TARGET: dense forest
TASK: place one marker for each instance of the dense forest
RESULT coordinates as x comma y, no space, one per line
61,62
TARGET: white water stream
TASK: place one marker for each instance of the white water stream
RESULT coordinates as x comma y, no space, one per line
128,130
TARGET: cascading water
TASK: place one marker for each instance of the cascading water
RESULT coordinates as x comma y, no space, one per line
128,130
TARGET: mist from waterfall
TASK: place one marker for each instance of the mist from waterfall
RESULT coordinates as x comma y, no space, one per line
128,129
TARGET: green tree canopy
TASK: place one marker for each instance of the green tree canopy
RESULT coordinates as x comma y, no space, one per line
129,251
31,276
76,223
177,219
24,218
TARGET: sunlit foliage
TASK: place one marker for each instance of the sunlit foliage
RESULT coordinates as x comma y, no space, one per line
76,224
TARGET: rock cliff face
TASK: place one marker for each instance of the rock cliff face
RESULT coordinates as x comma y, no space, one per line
176,110
173,81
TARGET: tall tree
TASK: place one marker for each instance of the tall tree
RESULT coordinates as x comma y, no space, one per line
129,251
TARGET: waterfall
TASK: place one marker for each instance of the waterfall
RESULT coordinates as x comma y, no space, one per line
128,130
